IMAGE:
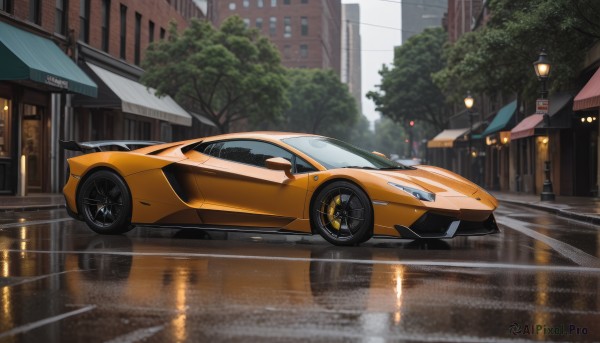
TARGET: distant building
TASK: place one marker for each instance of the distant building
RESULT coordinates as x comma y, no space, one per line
463,16
306,32
417,15
351,50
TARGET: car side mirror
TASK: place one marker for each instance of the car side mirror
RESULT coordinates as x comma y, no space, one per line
379,154
278,163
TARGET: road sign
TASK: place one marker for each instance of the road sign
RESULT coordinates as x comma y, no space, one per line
541,106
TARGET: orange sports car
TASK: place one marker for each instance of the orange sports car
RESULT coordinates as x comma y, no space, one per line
271,182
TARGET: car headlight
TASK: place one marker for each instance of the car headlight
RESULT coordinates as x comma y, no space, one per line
417,193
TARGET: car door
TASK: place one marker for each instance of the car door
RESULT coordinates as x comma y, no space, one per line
239,190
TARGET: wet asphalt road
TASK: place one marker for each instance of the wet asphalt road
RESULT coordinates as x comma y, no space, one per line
539,279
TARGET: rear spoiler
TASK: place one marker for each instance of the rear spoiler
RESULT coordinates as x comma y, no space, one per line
97,146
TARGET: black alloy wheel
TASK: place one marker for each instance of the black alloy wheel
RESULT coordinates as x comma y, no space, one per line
105,203
342,214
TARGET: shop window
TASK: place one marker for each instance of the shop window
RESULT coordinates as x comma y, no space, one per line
32,145
5,109
84,20
137,130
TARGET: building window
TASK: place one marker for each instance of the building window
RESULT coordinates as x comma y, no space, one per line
123,48
259,23
287,27
246,3
35,15
247,22
163,33
84,20
232,6
287,2
60,21
138,38
304,26
105,23
273,3
303,50
272,26
150,31
287,51
5,107
260,3
304,1
6,6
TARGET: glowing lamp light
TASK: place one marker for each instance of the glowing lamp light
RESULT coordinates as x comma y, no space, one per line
6,107
542,66
545,140
469,101
589,119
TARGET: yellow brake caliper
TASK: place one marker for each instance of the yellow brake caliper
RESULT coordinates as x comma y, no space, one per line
335,222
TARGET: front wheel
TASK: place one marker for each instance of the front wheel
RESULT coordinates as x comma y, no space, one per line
105,203
342,214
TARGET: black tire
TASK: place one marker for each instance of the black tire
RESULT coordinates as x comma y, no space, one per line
342,214
105,203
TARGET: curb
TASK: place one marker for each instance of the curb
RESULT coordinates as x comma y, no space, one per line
558,212
27,208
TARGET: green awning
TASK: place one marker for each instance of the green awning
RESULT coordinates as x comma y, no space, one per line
501,119
25,56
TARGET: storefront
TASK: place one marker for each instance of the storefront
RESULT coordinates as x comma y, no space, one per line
36,82
539,138
496,148
449,150
587,107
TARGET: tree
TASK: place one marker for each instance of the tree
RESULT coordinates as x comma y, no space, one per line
319,103
407,90
227,74
498,57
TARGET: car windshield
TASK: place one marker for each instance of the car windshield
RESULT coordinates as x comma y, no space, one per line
332,153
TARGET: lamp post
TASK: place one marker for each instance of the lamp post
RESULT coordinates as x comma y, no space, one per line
469,102
542,70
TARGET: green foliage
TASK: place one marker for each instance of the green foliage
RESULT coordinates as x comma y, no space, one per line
319,103
407,91
227,74
498,57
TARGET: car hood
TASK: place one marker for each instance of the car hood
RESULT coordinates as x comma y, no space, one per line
433,179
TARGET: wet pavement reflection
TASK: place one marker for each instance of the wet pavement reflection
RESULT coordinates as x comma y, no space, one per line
60,282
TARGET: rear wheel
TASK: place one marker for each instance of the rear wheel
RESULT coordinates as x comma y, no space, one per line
342,214
105,203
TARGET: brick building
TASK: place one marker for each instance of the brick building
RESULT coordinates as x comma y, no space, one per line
69,69
306,32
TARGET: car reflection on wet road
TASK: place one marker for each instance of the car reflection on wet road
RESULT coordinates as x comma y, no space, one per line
539,279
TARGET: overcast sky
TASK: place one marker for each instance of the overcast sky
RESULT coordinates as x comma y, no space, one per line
377,43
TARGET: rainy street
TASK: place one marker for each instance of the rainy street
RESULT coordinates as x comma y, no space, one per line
539,279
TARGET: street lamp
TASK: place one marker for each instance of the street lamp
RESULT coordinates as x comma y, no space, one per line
469,102
542,70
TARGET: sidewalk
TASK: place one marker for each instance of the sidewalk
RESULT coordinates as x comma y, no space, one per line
32,202
578,208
